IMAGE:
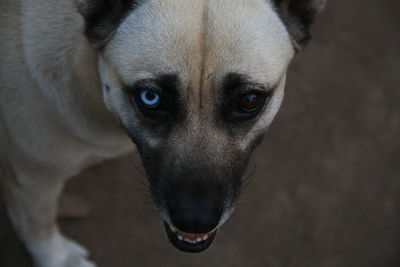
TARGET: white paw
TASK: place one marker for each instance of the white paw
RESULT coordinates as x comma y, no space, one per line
78,249
59,251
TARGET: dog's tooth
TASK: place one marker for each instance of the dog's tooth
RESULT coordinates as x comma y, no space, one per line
199,239
205,237
180,237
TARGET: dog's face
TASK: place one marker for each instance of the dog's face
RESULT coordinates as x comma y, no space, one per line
195,84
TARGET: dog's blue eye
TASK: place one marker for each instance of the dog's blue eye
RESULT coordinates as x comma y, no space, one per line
150,99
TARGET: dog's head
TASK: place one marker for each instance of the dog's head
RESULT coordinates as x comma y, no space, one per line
195,83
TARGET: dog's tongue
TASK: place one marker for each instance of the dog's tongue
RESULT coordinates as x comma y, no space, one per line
192,236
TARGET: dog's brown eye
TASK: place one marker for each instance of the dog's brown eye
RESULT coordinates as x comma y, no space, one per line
250,102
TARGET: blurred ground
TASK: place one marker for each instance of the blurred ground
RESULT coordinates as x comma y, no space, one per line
327,187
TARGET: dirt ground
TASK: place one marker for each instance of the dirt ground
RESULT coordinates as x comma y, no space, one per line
326,191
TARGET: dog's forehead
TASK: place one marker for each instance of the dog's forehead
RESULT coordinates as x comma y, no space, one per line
200,40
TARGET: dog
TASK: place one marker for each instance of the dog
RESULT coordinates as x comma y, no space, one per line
193,83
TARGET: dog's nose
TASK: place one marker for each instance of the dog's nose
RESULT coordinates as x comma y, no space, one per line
194,212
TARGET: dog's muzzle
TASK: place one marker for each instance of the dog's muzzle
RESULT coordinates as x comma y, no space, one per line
194,213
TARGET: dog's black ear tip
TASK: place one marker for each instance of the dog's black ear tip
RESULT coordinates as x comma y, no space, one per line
102,18
298,16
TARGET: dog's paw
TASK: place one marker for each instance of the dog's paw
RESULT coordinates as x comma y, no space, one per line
59,251
78,249
78,256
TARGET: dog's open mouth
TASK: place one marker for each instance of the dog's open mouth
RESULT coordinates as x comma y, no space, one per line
188,242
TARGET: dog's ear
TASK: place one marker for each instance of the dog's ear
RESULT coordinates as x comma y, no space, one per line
298,15
102,17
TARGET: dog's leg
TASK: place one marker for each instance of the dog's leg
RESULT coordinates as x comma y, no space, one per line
32,207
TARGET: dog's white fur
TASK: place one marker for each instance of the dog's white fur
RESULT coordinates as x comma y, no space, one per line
54,120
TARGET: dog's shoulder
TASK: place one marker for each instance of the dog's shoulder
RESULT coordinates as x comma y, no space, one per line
50,94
